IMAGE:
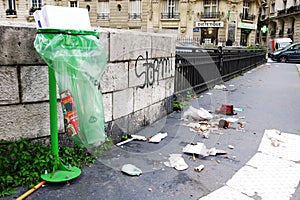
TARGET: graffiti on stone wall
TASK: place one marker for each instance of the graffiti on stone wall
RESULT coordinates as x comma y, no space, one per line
152,69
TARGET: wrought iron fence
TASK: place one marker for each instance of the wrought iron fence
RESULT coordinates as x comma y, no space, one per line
196,70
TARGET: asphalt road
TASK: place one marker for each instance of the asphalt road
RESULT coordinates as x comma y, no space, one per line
270,98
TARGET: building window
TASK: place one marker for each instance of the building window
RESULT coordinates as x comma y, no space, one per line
103,6
246,9
272,8
73,4
11,7
170,9
135,9
36,3
210,9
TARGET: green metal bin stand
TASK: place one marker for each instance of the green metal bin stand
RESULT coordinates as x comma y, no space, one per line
76,60
60,172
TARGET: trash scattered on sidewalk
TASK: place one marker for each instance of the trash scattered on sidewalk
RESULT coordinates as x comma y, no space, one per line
201,149
213,151
220,87
223,124
275,142
230,146
242,124
202,127
132,137
154,139
158,137
226,109
176,161
150,189
231,119
275,137
238,109
196,114
199,168
218,161
131,170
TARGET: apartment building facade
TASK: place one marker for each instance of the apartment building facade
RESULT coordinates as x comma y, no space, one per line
210,22
282,17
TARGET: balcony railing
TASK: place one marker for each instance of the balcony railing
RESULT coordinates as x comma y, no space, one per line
10,12
33,9
247,17
292,9
134,16
170,15
103,16
210,15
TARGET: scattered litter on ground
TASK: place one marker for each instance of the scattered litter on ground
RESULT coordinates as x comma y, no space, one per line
226,109
242,124
275,137
230,146
213,151
199,168
231,119
158,137
218,161
242,117
238,109
275,142
196,114
220,87
154,139
176,161
223,124
150,189
208,93
231,85
131,170
201,149
132,137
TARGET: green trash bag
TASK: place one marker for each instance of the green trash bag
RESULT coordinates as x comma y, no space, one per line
78,59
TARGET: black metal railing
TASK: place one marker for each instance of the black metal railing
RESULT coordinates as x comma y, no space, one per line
196,70
170,15
290,10
210,15
11,12
134,16
104,16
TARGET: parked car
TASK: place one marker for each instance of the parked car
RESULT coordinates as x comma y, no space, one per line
290,53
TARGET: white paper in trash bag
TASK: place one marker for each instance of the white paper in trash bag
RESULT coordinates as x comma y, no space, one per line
65,18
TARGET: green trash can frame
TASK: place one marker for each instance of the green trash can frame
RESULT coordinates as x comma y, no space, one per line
77,59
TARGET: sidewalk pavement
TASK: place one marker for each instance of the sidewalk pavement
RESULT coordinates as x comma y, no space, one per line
269,97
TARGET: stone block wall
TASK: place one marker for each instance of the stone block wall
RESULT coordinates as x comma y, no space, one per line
137,84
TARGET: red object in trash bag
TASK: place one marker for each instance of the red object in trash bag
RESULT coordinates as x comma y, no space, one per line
226,109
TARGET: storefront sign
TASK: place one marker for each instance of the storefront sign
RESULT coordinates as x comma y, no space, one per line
195,29
209,24
247,26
